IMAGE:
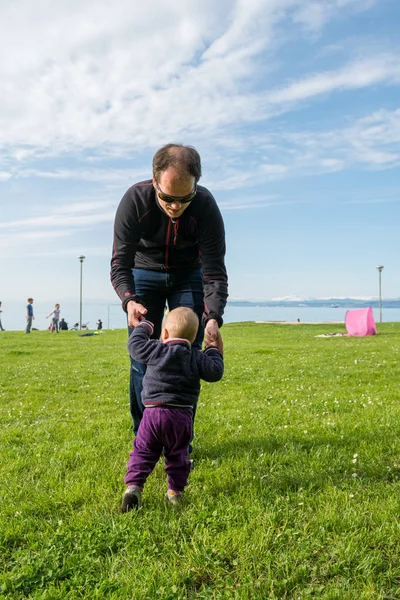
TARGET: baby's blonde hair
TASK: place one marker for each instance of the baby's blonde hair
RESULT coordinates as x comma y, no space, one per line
182,322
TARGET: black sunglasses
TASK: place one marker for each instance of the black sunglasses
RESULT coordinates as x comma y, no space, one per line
181,199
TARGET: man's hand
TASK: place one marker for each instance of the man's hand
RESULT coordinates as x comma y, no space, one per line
212,335
136,313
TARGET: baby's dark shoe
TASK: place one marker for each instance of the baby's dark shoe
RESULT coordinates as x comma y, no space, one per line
132,498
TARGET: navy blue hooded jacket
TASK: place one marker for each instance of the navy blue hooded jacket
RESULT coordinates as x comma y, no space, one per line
174,368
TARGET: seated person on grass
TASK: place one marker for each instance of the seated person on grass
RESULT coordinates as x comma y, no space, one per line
63,325
171,387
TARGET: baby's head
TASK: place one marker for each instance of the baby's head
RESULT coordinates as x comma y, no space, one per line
181,322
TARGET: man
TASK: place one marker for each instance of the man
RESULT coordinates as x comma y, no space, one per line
29,315
169,248
63,325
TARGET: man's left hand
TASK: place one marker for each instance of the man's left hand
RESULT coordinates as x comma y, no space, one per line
213,335
212,330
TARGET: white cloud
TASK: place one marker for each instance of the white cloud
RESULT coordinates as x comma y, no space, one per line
253,201
136,74
273,170
333,164
29,242
101,176
373,141
60,221
355,75
63,224
313,14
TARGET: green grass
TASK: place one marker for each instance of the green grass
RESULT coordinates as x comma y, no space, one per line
296,488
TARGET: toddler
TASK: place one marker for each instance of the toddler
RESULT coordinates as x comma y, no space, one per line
171,388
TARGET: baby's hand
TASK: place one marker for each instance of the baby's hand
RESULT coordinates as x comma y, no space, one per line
214,343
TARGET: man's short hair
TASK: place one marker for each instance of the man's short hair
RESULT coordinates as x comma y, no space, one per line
30,299
185,158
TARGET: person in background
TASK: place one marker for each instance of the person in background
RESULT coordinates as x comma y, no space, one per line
171,387
99,325
29,315
1,326
63,326
55,318
169,249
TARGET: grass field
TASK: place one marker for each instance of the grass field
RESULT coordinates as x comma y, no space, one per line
295,493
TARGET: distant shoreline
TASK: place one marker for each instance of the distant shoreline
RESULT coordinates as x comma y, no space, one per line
300,322
336,303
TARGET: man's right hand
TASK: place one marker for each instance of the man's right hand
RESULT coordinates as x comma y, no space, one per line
135,312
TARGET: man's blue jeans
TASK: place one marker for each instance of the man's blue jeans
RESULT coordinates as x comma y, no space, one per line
155,290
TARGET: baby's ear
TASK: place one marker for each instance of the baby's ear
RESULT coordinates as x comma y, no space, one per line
164,334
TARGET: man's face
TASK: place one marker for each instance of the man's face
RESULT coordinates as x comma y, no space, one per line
171,182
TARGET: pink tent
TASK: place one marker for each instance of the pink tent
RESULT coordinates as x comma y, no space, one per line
360,322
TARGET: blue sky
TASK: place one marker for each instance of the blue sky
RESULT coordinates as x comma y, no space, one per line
294,107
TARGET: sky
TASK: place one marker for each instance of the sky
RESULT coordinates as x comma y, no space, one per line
294,107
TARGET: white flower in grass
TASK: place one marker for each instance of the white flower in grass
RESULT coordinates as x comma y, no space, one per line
354,475
351,495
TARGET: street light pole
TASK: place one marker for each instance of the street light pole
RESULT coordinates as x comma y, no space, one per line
81,259
380,268
108,313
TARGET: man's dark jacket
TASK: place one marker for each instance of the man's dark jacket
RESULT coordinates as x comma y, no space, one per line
146,237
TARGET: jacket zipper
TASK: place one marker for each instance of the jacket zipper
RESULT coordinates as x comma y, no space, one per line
168,237
167,244
176,227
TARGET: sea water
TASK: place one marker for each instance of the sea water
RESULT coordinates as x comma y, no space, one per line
113,317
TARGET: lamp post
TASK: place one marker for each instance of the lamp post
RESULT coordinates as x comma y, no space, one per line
108,313
380,268
81,259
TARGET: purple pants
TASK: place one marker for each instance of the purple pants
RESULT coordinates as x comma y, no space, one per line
162,428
